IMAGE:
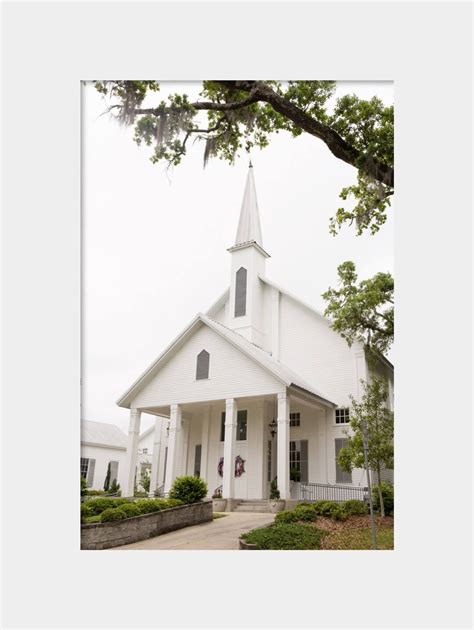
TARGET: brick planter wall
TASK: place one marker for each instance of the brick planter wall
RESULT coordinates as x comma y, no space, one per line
107,535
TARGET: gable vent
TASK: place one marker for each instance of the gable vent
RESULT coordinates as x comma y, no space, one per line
202,366
240,292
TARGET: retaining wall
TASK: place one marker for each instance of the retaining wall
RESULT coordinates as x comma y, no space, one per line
107,535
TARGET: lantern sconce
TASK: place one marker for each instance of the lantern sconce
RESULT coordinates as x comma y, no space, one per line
273,426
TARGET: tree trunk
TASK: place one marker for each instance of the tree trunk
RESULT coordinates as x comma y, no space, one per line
382,507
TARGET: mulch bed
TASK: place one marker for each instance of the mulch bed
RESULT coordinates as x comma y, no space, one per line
353,522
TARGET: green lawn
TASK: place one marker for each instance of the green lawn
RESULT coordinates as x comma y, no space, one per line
218,515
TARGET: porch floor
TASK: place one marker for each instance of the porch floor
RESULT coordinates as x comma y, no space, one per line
221,533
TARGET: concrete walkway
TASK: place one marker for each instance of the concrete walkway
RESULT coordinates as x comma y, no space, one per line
221,533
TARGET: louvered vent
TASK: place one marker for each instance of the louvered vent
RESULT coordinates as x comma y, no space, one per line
202,366
240,292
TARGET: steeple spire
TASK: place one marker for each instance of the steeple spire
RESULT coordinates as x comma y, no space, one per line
249,222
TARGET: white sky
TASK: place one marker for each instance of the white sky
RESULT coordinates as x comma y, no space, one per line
151,236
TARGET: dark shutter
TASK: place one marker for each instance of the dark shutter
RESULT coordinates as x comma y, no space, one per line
341,475
202,365
166,458
90,473
240,292
242,424
197,460
304,461
113,471
223,426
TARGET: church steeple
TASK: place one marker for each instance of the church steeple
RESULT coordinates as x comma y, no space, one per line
249,223
245,308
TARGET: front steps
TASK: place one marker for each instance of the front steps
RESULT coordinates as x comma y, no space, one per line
251,505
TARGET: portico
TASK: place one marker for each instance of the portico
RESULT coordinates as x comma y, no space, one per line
229,443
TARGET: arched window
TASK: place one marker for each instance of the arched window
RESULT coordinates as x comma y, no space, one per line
202,365
240,292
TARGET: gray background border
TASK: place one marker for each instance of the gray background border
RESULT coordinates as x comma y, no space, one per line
48,49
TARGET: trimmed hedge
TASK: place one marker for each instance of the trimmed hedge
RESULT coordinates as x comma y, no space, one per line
112,514
148,506
188,489
130,509
355,507
285,536
387,495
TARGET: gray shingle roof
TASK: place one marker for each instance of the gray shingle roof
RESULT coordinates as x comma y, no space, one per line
102,433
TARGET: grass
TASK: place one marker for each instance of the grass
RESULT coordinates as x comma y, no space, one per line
218,515
358,538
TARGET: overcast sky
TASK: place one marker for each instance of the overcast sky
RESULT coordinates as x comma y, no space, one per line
150,236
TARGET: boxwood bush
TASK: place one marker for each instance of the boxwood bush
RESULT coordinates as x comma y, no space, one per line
130,509
98,505
355,507
188,489
285,536
387,495
112,514
85,511
148,506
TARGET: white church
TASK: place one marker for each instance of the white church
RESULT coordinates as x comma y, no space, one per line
256,388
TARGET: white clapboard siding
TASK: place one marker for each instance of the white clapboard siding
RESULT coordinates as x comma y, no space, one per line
231,374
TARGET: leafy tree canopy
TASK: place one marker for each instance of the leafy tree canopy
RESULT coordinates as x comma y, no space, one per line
241,115
362,311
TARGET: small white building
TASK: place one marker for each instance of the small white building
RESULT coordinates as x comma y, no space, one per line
102,444
257,387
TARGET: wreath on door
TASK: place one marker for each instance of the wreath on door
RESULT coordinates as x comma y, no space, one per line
239,466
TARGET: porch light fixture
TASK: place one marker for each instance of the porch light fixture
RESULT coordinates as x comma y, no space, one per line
273,426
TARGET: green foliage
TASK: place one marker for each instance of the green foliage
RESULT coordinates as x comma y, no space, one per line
285,536
97,506
188,489
114,487
387,497
95,493
362,312
330,509
145,480
354,507
130,509
243,115
85,511
112,514
274,492
300,513
107,478
83,486
148,506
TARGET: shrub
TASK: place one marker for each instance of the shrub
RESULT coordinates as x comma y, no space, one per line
130,509
112,514
120,501
85,511
331,509
274,492
188,489
354,506
388,497
94,493
286,516
305,513
148,506
99,505
285,536
83,486
114,487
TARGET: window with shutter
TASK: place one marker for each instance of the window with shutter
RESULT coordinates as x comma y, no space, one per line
166,459
240,292
90,473
299,460
241,425
202,366
223,426
113,471
341,475
197,460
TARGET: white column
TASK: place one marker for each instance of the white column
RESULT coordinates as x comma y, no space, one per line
132,451
258,430
174,442
283,459
206,419
326,423
229,448
155,462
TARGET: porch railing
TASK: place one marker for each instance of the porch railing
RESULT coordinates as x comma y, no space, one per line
327,492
